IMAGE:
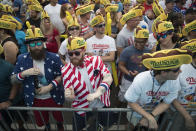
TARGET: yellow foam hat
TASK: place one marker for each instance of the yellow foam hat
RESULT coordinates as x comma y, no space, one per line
126,2
163,26
96,20
141,1
34,34
189,27
104,2
189,45
140,32
7,9
12,19
166,59
139,7
74,22
157,9
131,14
7,24
161,17
1,7
32,2
76,43
85,9
35,7
44,15
111,8
1,49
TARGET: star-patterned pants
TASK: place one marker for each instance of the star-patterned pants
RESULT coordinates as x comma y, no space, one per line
45,114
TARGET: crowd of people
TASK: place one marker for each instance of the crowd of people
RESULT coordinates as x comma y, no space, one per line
57,51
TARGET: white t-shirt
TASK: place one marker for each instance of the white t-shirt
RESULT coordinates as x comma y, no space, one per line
84,77
63,50
101,47
188,84
41,79
54,13
143,87
151,41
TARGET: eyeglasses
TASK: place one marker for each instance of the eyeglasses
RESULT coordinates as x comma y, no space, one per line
73,28
33,44
100,26
175,71
164,35
77,53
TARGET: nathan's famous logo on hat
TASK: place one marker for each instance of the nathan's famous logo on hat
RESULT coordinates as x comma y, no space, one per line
191,27
168,25
94,22
4,24
191,47
129,16
80,42
165,63
146,34
86,9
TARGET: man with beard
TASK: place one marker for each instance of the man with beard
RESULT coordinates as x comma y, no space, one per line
86,81
39,71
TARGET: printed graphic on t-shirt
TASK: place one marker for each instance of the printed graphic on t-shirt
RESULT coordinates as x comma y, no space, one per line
156,97
137,59
100,49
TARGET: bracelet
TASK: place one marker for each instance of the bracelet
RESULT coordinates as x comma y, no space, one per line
152,114
54,83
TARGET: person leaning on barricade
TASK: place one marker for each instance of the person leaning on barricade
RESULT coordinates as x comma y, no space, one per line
157,87
86,82
39,71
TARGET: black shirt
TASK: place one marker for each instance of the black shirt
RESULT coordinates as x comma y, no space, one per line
36,23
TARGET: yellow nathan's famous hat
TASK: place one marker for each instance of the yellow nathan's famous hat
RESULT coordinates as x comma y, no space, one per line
7,24
35,7
85,9
140,32
104,2
141,1
189,45
131,14
162,26
189,27
157,9
139,8
33,35
74,22
12,19
76,43
1,49
97,20
44,15
166,59
111,8
1,7
161,17
126,2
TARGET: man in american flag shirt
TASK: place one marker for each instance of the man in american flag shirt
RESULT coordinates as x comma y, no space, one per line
86,81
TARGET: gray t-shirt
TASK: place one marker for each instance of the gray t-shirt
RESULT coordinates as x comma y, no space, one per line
133,60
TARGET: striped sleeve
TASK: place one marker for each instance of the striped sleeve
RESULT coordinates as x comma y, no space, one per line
66,72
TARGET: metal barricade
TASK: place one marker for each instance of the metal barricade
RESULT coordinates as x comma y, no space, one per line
68,113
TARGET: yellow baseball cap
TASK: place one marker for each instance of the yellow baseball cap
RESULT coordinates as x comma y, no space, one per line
189,45
97,20
76,43
161,17
85,9
34,35
189,27
166,59
140,32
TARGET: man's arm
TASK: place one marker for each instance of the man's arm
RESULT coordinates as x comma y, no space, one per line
188,119
109,57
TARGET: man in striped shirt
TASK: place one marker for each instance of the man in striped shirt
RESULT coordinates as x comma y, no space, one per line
86,81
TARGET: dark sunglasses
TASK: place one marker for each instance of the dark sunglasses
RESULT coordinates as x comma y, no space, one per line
73,28
175,71
33,44
100,26
164,35
77,53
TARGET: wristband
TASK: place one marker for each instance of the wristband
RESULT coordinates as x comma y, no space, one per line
54,83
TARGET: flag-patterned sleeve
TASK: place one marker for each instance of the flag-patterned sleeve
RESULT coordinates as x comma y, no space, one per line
66,76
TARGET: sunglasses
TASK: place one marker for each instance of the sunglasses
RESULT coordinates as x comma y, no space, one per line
164,35
73,28
77,53
100,26
33,44
175,71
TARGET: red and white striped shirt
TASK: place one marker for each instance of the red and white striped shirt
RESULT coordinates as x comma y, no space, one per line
72,77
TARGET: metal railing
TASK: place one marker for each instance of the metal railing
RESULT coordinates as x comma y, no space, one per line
68,113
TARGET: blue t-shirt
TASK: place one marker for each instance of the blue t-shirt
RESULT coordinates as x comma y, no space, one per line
133,60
